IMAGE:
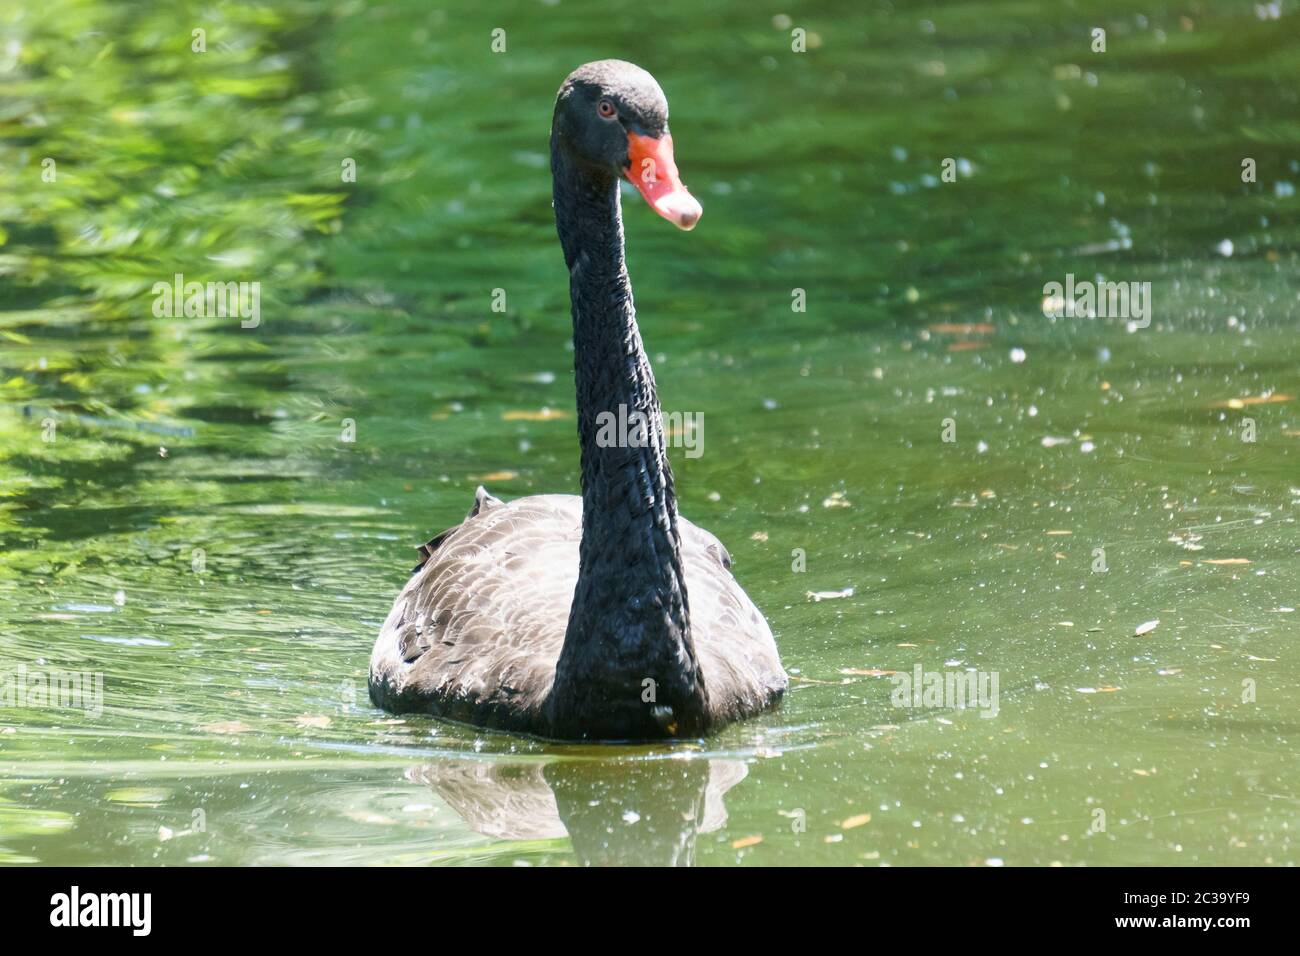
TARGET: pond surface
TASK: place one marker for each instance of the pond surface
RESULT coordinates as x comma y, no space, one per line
182,519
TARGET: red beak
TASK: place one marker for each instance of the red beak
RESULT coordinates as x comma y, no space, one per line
652,170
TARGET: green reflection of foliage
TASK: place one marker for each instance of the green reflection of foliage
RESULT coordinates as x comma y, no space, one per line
167,160
127,157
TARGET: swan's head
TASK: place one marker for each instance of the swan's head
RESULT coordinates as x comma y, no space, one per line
613,114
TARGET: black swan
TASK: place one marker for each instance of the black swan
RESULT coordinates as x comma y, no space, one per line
565,617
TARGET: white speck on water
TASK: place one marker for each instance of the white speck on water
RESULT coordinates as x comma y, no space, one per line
1224,248
769,403
532,158
119,598
1018,355
816,596
631,816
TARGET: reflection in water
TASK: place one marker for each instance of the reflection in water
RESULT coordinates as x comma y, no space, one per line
642,812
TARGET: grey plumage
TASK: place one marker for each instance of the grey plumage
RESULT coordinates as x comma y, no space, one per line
475,634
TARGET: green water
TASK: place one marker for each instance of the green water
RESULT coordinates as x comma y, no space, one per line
199,537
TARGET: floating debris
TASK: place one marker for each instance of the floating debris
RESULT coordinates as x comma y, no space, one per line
1267,398
829,595
963,328
226,727
1146,627
746,841
528,415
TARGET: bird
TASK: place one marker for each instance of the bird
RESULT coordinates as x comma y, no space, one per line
607,617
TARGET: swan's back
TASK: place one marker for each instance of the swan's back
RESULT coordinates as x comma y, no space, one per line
476,633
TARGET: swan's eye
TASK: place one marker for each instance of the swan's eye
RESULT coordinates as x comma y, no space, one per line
606,108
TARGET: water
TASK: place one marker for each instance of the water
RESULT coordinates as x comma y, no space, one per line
199,536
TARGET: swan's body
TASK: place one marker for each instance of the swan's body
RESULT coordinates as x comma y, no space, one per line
605,617
476,632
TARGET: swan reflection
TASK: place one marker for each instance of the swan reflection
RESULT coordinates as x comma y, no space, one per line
620,812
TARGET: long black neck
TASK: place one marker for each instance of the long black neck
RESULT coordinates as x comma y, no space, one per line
628,667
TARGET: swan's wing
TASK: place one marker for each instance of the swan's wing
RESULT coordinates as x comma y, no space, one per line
476,632
733,643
